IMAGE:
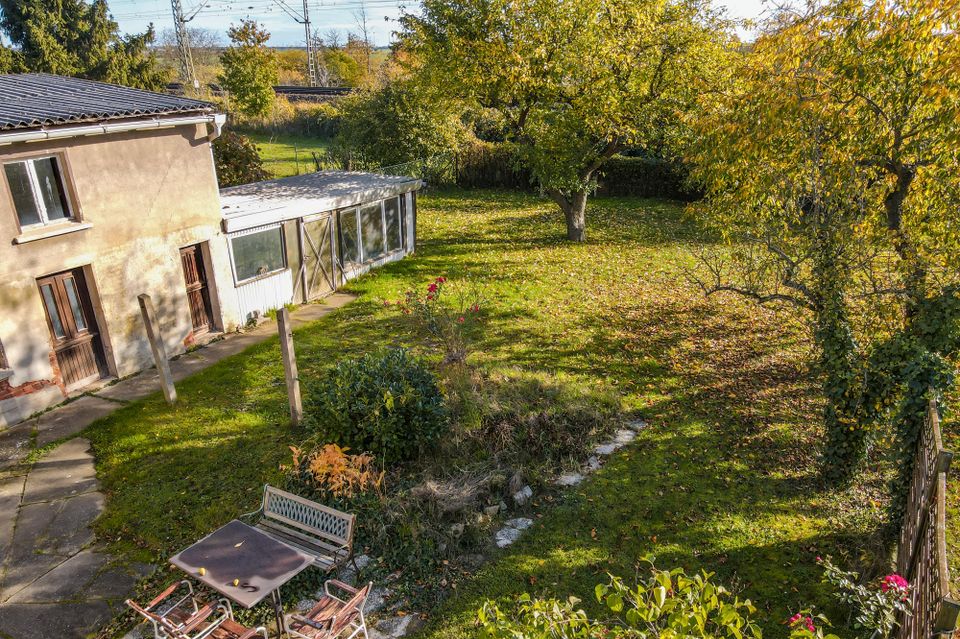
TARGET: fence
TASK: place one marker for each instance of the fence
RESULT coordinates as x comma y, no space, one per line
922,553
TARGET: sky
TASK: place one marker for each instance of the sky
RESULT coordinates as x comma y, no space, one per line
135,15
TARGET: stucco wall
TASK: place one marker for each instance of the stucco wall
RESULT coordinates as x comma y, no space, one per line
146,194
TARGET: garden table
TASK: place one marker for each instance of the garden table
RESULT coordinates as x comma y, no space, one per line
243,564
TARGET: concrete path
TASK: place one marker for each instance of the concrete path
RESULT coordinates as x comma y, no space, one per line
55,579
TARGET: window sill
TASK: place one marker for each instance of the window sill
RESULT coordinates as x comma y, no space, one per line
5,374
45,232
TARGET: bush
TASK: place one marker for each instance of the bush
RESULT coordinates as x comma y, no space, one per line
646,177
386,403
664,604
398,123
237,160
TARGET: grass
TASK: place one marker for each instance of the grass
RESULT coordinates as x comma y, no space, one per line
287,154
723,479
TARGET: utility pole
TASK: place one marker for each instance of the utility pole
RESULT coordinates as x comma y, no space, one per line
304,19
311,50
187,72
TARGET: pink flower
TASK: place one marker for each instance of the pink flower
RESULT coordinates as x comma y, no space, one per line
432,288
894,581
475,308
794,619
430,297
441,280
460,320
810,625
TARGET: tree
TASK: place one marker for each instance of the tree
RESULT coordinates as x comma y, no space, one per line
834,160
73,38
237,160
250,68
577,81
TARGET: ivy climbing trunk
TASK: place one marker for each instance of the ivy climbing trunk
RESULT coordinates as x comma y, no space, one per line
846,442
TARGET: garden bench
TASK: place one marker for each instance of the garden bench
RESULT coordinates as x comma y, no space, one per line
324,533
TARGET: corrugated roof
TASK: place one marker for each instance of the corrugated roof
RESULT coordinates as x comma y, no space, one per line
33,100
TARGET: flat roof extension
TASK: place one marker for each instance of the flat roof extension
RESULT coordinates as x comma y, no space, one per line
260,203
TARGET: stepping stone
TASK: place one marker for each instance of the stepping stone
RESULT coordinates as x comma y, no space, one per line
593,463
512,531
522,496
65,472
605,449
398,626
569,479
624,436
378,599
70,419
637,425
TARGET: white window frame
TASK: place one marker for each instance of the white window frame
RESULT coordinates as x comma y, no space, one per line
38,193
259,229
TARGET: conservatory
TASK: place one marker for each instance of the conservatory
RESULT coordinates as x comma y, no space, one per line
300,238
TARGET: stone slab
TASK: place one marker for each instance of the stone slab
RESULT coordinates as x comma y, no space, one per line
70,419
68,581
132,388
10,491
15,443
569,479
64,472
54,620
47,534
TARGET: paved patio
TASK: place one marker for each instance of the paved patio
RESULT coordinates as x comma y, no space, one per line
56,580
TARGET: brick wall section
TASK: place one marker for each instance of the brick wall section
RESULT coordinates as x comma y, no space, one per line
8,391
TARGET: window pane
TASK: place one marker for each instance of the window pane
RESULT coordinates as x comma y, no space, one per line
371,220
51,189
348,236
72,296
391,209
51,304
258,253
19,180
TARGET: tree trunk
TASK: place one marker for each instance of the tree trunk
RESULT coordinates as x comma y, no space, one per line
574,209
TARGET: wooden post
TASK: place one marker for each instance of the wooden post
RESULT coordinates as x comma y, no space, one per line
156,345
290,366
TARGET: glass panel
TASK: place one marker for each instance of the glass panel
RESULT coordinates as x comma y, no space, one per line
51,303
391,210
258,253
71,286
371,221
348,236
19,180
51,189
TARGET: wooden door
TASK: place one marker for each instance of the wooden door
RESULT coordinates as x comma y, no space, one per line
73,327
318,269
198,293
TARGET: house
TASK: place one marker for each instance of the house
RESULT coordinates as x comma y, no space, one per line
297,239
108,192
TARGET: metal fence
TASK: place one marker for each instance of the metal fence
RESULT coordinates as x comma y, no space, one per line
922,553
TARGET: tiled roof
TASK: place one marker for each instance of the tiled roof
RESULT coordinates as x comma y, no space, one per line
33,100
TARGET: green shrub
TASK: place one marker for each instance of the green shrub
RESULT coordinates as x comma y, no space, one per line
663,604
386,403
646,177
237,160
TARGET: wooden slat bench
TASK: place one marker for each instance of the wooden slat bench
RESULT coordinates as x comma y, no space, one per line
322,532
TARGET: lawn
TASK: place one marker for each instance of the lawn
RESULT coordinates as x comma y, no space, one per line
285,154
724,477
